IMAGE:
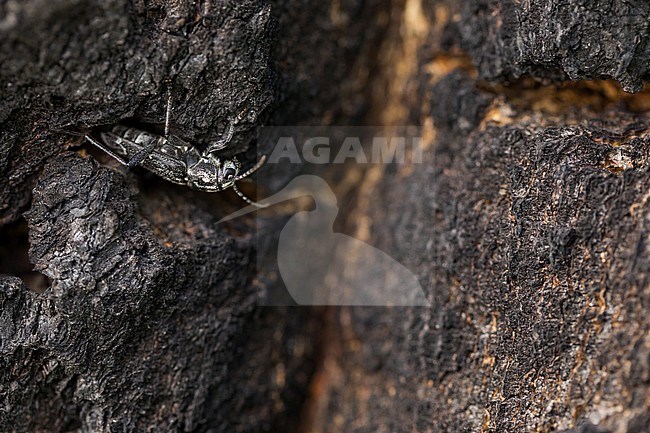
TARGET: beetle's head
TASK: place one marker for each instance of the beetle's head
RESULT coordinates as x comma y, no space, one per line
213,174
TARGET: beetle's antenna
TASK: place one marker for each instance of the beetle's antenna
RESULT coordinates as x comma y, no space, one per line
107,150
67,131
252,170
246,199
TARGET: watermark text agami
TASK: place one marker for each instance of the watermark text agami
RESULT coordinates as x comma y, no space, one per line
327,150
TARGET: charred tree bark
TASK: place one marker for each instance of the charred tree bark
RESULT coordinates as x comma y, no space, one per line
526,223
149,320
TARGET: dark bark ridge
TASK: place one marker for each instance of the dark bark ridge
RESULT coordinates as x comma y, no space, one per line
573,40
65,351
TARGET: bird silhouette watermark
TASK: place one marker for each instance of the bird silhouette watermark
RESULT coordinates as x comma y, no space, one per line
321,267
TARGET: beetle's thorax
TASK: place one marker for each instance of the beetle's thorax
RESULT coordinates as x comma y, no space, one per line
212,174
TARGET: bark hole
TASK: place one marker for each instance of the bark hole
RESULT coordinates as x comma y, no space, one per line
14,256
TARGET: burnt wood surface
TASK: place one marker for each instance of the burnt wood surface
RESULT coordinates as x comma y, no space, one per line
149,320
527,222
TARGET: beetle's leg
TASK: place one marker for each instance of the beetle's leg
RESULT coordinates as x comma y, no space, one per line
227,136
253,169
224,140
246,199
107,150
168,111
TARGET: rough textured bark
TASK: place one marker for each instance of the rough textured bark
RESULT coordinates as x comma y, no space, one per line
89,347
561,40
531,238
527,222
149,322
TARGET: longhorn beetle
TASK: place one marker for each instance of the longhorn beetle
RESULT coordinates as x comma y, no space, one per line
176,160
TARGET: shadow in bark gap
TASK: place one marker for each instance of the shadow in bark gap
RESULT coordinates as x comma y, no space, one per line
14,256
